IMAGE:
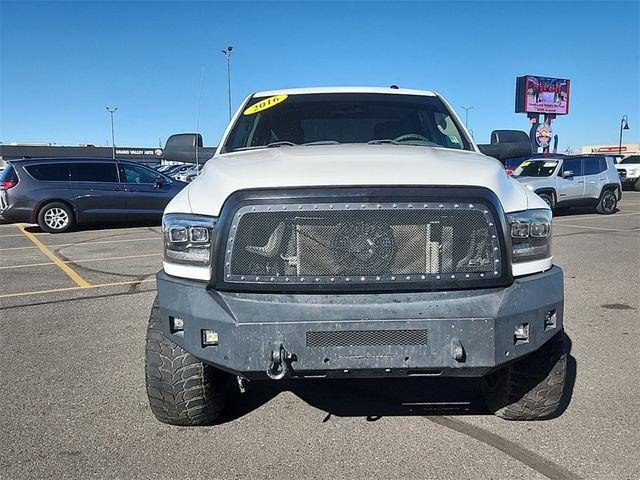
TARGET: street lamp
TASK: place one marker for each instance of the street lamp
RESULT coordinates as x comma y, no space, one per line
113,142
227,55
624,125
466,115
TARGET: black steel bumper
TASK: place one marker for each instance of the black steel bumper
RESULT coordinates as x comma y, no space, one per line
466,333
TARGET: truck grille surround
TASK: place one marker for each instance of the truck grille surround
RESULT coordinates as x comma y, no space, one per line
420,242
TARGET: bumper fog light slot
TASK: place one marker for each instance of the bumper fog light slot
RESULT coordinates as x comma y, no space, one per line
209,338
521,333
550,319
176,324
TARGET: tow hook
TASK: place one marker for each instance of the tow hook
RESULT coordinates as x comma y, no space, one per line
280,363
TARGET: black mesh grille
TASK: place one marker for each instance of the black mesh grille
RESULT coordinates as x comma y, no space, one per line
361,242
366,338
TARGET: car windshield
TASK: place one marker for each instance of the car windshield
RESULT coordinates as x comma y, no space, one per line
333,118
536,168
632,160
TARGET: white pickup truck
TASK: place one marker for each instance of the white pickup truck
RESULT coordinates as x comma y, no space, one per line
354,232
629,171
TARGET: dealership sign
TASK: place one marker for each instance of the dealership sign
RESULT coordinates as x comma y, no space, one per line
542,95
543,134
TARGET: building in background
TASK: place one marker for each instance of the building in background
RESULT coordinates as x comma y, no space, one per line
627,149
146,155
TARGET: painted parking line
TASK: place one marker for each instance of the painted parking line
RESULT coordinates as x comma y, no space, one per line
82,283
80,244
596,228
71,289
589,217
82,260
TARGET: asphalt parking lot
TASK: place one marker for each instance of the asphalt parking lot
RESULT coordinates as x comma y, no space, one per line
73,313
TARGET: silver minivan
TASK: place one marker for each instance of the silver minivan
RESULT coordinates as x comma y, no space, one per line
569,181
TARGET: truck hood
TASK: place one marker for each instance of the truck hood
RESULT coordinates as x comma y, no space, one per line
346,165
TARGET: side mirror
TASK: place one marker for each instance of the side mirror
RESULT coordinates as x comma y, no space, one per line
158,183
506,144
187,147
567,174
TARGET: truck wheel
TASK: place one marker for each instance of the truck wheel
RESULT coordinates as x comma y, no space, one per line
608,203
548,199
531,388
182,390
55,217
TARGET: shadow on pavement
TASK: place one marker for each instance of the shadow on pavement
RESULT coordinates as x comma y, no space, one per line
377,398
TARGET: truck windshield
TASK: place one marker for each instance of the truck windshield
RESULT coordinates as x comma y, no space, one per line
536,168
332,118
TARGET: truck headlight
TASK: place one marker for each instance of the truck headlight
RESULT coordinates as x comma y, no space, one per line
530,235
187,239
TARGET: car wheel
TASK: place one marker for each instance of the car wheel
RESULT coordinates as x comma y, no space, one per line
182,390
55,217
608,203
548,199
531,388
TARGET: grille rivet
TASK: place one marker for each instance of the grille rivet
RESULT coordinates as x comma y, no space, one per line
495,249
493,236
302,279
272,279
441,206
426,205
333,279
347,206
347,279
395,206
423,277
284,207
438,277
485,211
253,208
456,206
228,264
408,277
467,275
495,273
269,208
299,207
497,260
242,278
362,279
453,276
331,207
228,276
286,279
229,252
378,206
363,206
410,205
482,274
315,207
491,224
393,278
257,279
317,279
378,279
471,205
234,227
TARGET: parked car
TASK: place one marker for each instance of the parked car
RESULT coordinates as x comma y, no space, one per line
629,171
355,232
189,174
573,181
58,193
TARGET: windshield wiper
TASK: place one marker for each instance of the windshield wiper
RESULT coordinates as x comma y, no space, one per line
387,141
322,142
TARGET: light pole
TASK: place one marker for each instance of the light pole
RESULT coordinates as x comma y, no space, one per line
227,55
624,122
466,115
113,142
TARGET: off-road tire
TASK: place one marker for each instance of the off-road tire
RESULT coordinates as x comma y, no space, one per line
182,390
548,198
531,388
55,217
608,202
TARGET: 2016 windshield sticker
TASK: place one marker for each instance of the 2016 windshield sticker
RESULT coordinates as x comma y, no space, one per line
264,104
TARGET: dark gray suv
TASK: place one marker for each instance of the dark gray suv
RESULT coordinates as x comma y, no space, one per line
58,193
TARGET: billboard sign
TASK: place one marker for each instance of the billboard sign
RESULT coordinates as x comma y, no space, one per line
542,95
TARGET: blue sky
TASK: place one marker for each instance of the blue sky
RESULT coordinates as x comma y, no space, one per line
62,62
